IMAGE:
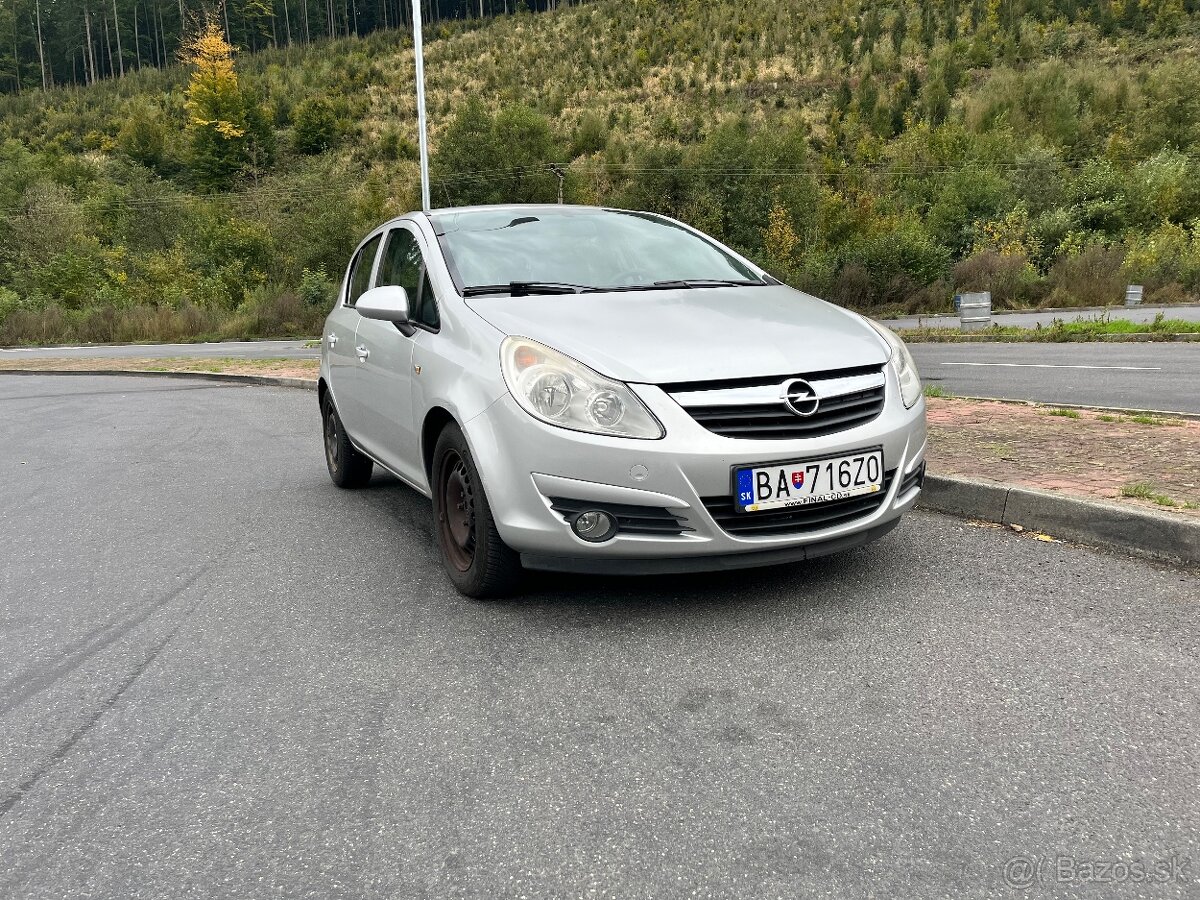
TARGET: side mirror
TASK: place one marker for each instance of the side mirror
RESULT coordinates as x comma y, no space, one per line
387,304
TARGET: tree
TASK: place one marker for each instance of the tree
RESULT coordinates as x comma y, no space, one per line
225,127
316,126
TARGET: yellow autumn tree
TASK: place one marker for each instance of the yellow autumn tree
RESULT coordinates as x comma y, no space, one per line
780,238
216,108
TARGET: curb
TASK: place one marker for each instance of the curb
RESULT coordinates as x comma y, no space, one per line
1139,532
275,380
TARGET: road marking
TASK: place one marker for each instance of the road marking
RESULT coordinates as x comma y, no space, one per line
1052,366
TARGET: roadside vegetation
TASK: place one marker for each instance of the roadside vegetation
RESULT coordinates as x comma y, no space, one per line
1143,491
1161,329
882,155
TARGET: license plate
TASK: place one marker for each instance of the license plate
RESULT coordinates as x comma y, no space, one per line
808,481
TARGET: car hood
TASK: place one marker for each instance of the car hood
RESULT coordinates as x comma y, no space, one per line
700,334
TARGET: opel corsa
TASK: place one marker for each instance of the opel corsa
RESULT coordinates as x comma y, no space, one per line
603,391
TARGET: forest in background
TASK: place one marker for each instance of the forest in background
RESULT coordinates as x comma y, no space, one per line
57,42
882,155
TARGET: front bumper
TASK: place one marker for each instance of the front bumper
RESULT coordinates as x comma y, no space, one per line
524,463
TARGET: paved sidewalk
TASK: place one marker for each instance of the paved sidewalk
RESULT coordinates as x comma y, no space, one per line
1144,460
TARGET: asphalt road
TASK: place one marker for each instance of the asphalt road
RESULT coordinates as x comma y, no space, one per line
1137,376
221,676
1141,314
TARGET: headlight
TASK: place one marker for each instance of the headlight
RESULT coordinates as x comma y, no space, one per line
906,369
560,391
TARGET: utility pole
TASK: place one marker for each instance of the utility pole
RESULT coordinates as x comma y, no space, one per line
422,137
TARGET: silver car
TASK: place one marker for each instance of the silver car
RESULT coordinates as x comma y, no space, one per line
604,391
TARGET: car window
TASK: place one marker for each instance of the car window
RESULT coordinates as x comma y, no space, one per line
360,274
403,265
426,311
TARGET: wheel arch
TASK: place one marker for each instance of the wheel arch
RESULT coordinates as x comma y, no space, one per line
436,419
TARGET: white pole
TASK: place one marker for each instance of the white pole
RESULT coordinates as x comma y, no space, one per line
419,52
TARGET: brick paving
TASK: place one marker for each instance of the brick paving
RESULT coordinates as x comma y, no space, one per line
1094,455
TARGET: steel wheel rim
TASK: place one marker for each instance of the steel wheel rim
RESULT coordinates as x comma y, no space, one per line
331,440
457,518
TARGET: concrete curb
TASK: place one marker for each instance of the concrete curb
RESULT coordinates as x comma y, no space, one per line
276,380
1140,532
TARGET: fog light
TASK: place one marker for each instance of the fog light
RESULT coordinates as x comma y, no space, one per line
594,526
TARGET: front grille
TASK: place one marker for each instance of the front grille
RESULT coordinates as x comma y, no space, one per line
775,421
795,519
630,519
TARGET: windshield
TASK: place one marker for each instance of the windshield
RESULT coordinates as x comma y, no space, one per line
563,250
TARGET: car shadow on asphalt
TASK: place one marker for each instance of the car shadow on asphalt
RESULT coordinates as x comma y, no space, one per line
808,583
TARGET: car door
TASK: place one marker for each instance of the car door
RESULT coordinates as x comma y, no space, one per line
386,354
339,338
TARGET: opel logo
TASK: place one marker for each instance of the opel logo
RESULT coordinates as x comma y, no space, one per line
800,397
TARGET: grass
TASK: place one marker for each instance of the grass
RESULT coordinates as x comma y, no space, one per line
1141,419
1161,329
936,390
1141,490
1146,419
1063,413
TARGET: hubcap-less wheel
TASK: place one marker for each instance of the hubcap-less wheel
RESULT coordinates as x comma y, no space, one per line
458,512
331,439
347,467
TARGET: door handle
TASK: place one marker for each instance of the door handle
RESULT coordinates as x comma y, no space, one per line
362,352
333,339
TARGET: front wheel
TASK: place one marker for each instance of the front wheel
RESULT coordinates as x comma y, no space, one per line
477,560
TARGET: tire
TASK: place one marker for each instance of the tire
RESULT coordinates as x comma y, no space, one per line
347,467
477,560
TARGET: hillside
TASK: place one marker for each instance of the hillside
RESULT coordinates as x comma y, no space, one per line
879,154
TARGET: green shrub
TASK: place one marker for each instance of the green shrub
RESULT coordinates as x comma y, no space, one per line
316,288
10,302
315,128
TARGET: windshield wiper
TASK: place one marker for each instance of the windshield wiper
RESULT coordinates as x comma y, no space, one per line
708,282
674,285
526,288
